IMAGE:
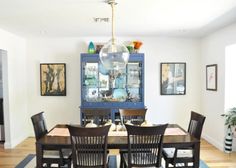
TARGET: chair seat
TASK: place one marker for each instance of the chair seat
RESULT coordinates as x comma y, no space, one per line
51,154
56,153
169,153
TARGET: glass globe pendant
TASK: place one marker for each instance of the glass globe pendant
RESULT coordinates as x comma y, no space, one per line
114,55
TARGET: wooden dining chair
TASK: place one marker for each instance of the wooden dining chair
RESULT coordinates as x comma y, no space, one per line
89,146
184,156
135,116
50,154
99,115
144,146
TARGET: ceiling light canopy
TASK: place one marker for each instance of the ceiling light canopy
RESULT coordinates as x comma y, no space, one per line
114,55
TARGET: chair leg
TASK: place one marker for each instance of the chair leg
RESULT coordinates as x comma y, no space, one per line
121,160
69,164
167,164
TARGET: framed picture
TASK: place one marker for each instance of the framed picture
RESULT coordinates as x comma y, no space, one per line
211,77
53,79
173,78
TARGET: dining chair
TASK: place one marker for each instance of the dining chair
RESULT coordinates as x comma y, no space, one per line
50,154
144,146
135,116
99,115
183,157
89,146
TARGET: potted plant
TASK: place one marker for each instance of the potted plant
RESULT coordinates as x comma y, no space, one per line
230,117
230,122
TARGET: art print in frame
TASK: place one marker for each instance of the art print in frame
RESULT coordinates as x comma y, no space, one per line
173,78
211,77
53,79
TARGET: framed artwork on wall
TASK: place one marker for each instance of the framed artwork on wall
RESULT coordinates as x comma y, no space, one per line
173,78
53,79
211,77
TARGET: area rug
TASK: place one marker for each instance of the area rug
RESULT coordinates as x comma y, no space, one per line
30,160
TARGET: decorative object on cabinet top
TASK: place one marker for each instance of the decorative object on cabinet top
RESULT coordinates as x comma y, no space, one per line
137,45
91,48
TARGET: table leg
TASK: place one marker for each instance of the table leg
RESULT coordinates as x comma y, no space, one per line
196,154
39,155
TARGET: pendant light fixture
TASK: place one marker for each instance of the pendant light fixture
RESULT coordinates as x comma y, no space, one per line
114,55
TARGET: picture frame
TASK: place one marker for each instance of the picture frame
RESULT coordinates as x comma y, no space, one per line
53,79
173,78
211,77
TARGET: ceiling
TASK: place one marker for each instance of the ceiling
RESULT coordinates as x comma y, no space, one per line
73,18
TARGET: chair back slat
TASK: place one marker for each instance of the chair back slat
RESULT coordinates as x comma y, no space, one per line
145,145
136,116
89,146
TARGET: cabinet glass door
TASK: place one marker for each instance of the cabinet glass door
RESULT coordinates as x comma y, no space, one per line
134,76
90,82
101,85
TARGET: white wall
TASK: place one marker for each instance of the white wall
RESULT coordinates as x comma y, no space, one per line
14,88
213,102
171,109
161,109
58,109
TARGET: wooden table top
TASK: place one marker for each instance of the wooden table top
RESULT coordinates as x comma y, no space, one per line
120,142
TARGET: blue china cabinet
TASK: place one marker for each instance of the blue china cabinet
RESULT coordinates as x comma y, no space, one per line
112,89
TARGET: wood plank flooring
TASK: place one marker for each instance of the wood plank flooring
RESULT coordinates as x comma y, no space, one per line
214,158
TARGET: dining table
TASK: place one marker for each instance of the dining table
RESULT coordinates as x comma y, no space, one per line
175,136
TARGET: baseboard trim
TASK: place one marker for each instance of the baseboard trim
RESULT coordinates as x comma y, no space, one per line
12,144
215,143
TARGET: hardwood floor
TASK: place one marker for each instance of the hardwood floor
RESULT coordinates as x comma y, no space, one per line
9,158
214,158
